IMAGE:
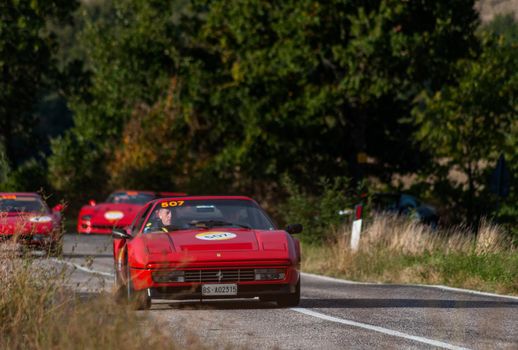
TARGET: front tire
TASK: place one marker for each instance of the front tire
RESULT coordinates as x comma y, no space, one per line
120,289
290,300
138,299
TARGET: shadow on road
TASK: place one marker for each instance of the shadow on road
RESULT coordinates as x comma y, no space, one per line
405,303
249,304
167,305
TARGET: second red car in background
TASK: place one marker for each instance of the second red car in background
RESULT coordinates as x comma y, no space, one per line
118,210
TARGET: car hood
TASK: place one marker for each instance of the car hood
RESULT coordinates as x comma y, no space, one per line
217,244
20,223
121,214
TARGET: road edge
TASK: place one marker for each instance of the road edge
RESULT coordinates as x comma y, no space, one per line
436,286
338,280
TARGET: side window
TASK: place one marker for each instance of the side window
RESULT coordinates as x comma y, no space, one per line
139,220
259,220
254,220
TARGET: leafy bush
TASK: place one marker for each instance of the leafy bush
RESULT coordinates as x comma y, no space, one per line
318,214
507,216
5,169
77,167
31,176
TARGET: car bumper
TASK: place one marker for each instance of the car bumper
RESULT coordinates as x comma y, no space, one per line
86,227
142,280
243,291
30,240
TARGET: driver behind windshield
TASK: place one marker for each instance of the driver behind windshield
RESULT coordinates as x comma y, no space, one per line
183,215
160,222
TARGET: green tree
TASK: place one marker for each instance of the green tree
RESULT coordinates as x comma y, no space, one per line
5,170
304,86
26,65
468,124
505,26
132,50
264,88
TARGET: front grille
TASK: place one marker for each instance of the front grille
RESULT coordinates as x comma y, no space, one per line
217,276
233,275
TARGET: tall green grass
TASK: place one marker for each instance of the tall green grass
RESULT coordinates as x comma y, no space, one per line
396,250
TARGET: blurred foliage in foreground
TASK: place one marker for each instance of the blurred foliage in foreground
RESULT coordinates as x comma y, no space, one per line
226,97
38,311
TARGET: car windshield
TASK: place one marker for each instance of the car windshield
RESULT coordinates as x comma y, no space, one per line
22,204
182,214
130,198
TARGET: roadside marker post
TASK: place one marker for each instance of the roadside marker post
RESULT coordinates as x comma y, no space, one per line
357,227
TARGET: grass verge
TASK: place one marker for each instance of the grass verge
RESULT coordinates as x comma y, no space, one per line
394,250
38,312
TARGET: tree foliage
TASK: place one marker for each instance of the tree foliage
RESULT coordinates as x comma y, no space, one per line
311,84
132,50
468,124
227,96
26,65
268,88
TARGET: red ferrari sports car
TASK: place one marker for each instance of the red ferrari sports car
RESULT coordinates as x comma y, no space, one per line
27,218
206,247
118,210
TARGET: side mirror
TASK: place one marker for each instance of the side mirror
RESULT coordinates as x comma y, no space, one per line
294,228
58,208
92,203
120,233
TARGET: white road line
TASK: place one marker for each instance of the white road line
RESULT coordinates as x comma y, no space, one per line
469,291
82,268
453,289
387,331
334,279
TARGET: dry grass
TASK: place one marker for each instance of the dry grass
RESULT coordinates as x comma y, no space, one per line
410,237
398,250
37,312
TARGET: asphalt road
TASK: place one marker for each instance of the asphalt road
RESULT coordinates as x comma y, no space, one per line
333,314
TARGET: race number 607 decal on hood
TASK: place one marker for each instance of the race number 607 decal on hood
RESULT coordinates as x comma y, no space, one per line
216,236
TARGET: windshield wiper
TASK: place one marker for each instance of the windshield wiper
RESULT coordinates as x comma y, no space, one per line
169,228
214,223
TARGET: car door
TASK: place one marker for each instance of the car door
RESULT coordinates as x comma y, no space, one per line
120,245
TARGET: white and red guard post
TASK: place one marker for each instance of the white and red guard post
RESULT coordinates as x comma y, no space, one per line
357,227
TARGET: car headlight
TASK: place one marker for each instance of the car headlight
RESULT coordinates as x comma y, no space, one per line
168,276
86,217
41,219
269,274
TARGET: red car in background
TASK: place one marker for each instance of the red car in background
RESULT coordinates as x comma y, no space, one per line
27,218
206,247
118,210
